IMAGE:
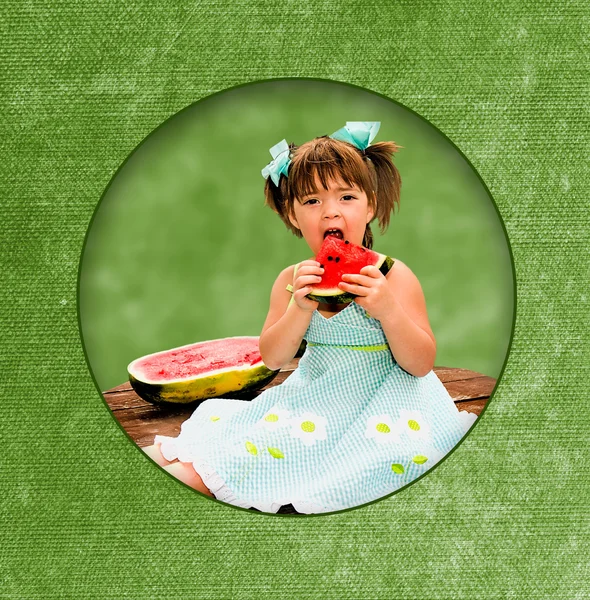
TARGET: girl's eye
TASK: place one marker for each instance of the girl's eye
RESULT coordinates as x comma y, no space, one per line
310,201
348,197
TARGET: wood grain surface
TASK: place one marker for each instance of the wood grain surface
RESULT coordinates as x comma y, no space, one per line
143,421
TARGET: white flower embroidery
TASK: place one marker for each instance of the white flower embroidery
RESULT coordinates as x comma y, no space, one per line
309,427
382,429
413,424
273,419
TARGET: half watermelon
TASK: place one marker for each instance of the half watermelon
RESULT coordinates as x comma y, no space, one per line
203,370
338,257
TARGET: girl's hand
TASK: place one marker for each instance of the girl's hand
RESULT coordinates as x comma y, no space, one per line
373,290
308,273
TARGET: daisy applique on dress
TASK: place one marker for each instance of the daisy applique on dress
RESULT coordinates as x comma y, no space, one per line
413,424
309,428
382,430
274,419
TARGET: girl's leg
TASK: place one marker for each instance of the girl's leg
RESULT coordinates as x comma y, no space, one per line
156,455
183,471
187,474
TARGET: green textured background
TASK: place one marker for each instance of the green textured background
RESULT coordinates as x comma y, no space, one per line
182,249
83,513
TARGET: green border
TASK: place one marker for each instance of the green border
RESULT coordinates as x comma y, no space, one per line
81,514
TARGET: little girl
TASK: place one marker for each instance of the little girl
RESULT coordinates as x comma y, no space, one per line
363,414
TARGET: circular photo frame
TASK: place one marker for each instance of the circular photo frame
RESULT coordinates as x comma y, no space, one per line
184,249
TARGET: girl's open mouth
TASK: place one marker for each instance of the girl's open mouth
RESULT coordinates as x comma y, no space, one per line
335,232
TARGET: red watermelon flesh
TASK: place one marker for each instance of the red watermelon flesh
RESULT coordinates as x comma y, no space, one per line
195,359
338,257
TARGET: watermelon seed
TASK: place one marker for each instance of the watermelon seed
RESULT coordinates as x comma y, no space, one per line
330,258
347,242
321,266
337,258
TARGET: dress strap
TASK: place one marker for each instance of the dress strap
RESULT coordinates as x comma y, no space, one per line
290,287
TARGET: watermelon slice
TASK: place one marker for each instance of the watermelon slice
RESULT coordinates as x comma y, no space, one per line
339,257
202,370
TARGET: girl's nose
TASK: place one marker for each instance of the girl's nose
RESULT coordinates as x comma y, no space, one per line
331,210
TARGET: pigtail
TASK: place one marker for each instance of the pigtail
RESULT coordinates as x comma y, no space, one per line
272,196
277,198
387,181
368,237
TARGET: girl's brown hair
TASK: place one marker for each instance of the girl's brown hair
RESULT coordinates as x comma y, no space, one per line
372,170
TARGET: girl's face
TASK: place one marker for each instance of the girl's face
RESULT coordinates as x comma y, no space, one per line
340,210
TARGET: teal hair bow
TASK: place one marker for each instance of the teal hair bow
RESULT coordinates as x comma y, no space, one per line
358,133
279,164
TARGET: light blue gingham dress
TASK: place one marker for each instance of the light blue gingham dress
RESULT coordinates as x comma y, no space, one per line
347,427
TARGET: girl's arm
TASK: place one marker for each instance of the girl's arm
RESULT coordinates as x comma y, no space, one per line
406,325
286,323
398,302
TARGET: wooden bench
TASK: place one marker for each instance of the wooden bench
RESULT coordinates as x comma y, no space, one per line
142,420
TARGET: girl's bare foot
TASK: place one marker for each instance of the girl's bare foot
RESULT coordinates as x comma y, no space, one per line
187,474
156,455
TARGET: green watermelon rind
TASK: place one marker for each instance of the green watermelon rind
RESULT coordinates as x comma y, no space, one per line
200,388
337,296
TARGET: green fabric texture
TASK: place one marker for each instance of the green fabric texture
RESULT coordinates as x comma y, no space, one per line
83,512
